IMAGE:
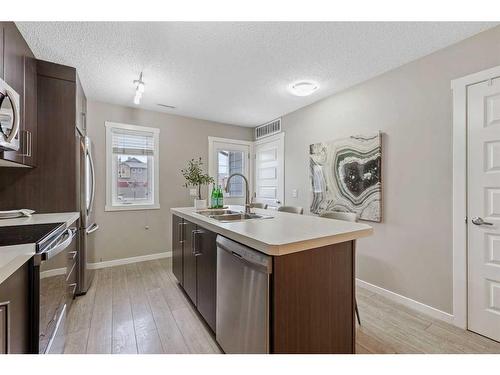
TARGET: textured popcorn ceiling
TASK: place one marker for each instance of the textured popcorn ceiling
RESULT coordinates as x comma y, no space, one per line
234,73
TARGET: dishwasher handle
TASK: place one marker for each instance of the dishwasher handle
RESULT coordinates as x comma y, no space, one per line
250,257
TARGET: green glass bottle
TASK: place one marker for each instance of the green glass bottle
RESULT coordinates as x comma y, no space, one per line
220,198
213,197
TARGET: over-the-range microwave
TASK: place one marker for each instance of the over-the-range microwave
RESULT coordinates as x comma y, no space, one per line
10,118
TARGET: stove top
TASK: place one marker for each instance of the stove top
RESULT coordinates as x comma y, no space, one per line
33,233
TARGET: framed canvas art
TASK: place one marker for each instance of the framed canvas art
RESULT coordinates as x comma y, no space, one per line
346,175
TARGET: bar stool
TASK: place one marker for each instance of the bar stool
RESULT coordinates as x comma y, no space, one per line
291,209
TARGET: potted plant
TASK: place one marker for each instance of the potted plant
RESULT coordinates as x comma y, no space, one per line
194,176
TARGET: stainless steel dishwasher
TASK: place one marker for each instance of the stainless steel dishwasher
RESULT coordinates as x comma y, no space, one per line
243,274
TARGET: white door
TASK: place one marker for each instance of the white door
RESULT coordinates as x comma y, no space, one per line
483,118
228,156
269,171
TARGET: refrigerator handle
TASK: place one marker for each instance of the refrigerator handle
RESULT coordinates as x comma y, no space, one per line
92,229
91,204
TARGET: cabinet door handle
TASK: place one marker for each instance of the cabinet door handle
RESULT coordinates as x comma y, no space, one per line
5,310
180,231
194,236
30,143
25,142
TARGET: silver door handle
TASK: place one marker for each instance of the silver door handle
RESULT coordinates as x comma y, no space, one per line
479,221
64,242
92,229
91,203
181,231
194,233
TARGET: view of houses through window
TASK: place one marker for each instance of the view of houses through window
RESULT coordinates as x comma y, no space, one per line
132,182
230,162
132,167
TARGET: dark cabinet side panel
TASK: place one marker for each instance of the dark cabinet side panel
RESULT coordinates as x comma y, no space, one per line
15,299
15,50
313,301
1,49
207,276
58,140
189,277
177,242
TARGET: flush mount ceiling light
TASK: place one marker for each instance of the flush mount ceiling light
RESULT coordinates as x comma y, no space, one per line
303,88
139,89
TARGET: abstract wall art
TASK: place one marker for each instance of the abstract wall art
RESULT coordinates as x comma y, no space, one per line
346,176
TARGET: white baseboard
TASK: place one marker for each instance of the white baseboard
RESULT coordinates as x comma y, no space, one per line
119,262
408,302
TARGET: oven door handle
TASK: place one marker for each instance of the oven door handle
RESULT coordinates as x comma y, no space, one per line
63,243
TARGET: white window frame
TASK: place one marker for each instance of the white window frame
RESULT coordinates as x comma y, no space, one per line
110,205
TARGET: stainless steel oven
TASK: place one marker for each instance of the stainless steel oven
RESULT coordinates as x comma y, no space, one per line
10,117
55,280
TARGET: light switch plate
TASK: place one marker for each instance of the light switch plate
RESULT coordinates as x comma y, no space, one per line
294,193
193,192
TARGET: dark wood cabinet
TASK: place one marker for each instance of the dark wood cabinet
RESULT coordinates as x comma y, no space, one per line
53,186
177,241
207,275
19,71
1,50
194,264
15,312
29,141
189,261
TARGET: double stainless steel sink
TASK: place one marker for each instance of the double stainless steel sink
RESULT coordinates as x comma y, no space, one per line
224,215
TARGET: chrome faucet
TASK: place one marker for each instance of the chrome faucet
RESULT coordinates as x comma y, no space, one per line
247,191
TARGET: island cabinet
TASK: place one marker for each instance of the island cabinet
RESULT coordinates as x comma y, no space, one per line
194,262
312,303
15,312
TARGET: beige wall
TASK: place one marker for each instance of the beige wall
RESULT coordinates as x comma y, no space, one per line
122,234
411,251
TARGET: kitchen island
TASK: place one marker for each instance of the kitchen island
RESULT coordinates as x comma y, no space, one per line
311,295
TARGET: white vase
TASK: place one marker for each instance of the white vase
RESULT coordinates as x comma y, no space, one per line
200,204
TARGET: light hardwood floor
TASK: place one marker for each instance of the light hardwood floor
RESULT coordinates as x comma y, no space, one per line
138,308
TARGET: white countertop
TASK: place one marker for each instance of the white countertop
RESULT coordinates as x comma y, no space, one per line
13,257
285,233
63,217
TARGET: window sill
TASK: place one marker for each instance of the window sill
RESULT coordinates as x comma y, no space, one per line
132,207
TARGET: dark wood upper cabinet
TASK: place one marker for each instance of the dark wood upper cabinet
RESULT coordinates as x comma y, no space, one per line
1,50
29,140
207,275
19,71
177,241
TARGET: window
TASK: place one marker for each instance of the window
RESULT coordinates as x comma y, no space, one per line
230,162
131,167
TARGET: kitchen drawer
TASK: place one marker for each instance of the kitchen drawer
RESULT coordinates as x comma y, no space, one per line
71,283
71,258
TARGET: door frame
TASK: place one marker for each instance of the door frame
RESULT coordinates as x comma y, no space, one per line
459,88
211,162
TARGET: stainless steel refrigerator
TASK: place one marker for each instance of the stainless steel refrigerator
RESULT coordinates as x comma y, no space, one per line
88,226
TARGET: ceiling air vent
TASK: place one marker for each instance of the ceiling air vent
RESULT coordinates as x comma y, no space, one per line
268,129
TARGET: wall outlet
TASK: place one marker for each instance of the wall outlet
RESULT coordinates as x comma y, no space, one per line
193,192
295,193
